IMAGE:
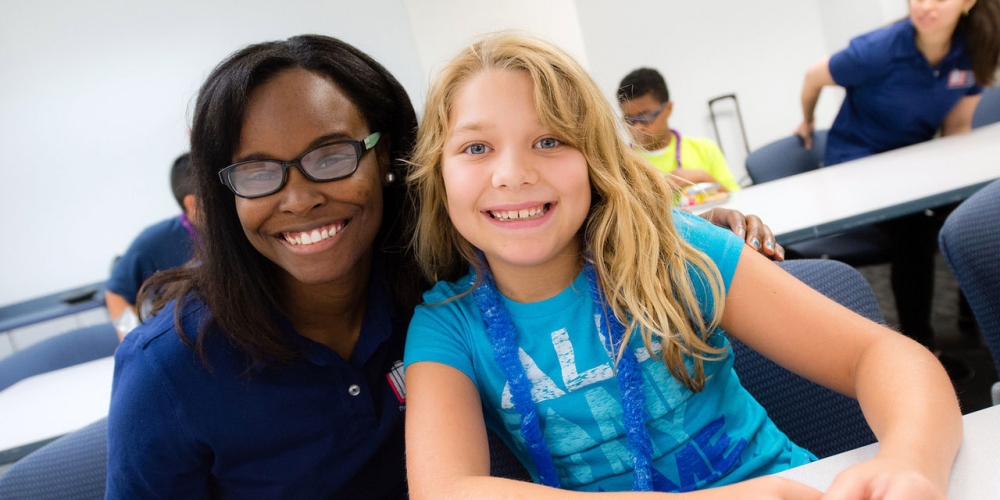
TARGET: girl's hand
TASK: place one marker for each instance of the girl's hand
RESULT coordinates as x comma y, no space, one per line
881,479
748,227
805,132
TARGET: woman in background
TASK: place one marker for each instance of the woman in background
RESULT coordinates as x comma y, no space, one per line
905,83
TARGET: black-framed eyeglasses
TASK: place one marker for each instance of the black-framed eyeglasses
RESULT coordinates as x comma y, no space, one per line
325,163
647,117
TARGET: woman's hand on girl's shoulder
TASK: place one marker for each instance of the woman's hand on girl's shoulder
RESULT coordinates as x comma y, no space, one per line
750,228
880,479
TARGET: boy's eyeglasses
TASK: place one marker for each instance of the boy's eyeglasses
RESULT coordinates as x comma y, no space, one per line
325,163
645,118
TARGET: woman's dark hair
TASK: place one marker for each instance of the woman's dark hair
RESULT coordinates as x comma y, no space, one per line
981,29
238,284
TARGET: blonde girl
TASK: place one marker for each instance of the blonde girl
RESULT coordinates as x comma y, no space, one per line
588,332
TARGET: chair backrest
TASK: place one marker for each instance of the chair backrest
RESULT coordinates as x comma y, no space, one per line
988,110
73,467
817,418
786,157
970,241
66,349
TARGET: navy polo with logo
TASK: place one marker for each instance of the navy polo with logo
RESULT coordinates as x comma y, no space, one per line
322,427
894,98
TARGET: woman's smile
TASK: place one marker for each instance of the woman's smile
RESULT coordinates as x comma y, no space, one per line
316,235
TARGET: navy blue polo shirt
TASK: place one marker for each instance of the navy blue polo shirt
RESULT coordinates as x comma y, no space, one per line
164,245
894,97
319,428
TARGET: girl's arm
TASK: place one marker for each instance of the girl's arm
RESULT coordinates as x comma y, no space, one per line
904,392
447,455
959,119
817,76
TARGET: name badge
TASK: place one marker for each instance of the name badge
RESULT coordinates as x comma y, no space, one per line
959,79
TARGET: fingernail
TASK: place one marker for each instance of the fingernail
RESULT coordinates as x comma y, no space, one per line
770,245
755,243
743,232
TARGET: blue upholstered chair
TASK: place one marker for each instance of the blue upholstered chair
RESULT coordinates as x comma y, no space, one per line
66,349
970,242
813,416
786,157
988,110
821,420
72,467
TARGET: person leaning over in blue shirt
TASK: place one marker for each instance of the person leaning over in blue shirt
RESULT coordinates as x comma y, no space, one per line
905,83
164,245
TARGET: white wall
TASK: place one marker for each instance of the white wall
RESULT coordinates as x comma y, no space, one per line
846,19
443,27
95,97
95,103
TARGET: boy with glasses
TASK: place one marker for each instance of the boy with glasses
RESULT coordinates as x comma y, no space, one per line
645,102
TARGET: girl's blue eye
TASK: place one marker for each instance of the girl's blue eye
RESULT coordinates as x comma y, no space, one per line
477,149
547,143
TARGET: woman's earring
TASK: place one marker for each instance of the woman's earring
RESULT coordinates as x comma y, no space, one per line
390,178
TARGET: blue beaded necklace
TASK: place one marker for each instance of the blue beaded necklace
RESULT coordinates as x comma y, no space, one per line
503,338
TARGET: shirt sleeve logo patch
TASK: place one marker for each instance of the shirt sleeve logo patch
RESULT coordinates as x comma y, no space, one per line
395,378
959,79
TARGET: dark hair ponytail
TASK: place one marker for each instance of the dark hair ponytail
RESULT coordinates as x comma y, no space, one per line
981,29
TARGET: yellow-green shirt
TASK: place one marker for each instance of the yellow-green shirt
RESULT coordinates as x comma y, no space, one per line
697,153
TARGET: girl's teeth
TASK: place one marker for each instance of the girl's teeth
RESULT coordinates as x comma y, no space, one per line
524,213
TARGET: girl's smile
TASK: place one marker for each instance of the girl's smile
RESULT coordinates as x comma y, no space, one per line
522,213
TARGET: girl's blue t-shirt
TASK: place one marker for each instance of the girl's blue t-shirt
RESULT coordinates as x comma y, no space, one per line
718,436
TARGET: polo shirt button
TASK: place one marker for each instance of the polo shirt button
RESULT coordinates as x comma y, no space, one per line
937,73
354,390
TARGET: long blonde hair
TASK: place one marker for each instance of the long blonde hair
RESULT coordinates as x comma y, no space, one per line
640,260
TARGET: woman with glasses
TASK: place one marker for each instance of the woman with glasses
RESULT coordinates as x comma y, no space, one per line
273,367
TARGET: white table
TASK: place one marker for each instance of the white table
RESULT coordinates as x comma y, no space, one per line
888,185
49,405
46,406
975,475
